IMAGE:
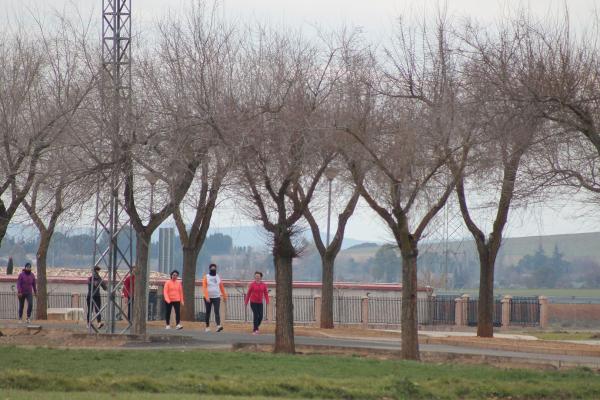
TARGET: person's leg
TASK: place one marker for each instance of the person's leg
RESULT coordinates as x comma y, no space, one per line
29,298
259,309
21,304
168,312
254,316
88,304
177,306
97,307
217,305
208,305
129,304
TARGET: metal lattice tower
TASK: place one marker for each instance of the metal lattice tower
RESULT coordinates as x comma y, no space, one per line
445,242
113,234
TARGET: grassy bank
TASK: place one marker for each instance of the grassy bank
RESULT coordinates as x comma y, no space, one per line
82,374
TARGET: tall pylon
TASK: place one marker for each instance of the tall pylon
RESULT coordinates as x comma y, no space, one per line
113,248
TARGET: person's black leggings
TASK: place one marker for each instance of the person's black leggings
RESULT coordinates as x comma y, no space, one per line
177,306
96,304
129,305
29,298
257,311
216,304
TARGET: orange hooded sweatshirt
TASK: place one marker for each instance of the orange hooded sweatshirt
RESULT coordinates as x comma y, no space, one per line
173,291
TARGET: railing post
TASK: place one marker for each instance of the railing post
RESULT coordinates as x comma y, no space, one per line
544,315
460,310
224,309
506,300
364,312
74,300
272,314
317,300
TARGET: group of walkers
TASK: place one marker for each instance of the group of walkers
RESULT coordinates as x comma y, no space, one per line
213,292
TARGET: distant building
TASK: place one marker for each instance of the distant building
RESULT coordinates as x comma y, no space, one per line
166,238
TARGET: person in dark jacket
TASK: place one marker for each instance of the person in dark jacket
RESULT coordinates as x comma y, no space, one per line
93,300
26,289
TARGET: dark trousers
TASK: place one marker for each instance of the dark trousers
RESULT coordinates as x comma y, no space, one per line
129,305
94,307
257,311
177,306
29,298
216,304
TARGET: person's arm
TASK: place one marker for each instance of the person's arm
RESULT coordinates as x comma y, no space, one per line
247,297
222,288
19,285
205,288
166,293
266,292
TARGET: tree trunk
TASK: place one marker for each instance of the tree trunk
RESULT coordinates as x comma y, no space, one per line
140,290
485,308
283,252
42,286
327,292
409,320
190,257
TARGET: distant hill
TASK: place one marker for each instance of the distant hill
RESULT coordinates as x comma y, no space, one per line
254,236
579,245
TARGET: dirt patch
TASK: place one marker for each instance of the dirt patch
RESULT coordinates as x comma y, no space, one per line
58,338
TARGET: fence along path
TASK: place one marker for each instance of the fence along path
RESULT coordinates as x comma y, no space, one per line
347,310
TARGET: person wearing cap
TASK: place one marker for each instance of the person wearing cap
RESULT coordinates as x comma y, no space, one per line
173,294
213,289
93,299
26,289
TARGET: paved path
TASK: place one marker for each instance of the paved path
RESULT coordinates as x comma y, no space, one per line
194,338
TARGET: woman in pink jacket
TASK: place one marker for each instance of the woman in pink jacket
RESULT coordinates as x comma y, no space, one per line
173,294
257,290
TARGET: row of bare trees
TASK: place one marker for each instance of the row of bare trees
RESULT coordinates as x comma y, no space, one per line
495,117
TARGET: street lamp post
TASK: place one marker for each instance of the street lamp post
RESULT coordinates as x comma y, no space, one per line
151,178
330,174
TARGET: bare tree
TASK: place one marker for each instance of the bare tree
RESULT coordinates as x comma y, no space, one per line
330,250
199,55
280,156
406,135
39,94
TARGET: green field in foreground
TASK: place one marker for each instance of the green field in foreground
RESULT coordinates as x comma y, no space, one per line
175,374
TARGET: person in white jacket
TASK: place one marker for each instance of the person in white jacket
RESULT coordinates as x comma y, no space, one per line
213,289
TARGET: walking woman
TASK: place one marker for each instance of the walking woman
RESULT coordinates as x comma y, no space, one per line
213,289
93,299
173,294
26,289
257,291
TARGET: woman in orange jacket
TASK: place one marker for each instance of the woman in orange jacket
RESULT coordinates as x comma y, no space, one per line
173,294
213,289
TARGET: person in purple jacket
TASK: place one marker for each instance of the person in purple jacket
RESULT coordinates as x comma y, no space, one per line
26,289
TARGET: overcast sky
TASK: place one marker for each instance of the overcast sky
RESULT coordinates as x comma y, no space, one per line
376,17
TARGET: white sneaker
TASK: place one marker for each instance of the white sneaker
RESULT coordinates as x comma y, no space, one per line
219,328
28,321
168,327
179,326
19,321
100,325
207,329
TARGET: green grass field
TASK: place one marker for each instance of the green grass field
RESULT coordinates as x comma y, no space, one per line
33,373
